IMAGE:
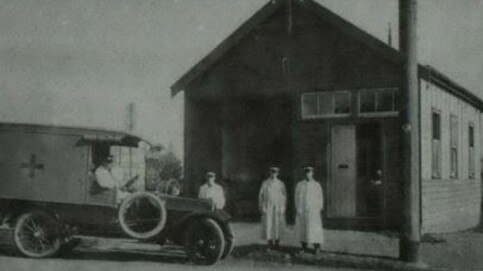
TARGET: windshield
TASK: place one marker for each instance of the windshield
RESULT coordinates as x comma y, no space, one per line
129,162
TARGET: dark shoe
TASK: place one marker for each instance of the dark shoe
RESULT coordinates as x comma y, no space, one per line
317,250
269,245
303,253
276,244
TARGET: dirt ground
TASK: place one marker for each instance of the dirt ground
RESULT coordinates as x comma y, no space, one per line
110,254
82,262
456,251
339,241
459,251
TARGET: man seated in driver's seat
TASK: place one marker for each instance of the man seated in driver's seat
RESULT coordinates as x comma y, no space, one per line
106,179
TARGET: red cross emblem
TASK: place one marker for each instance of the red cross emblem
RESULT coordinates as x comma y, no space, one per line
32,166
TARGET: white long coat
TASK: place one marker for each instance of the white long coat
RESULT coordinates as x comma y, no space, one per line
272,200
309,202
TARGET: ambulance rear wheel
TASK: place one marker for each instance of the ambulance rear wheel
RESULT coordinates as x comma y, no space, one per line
35,235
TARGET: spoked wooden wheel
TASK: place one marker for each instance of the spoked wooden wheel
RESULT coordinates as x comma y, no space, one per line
35,235
229,245
205,242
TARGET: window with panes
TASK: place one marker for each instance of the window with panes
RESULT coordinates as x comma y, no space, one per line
453,146
436,144
471,151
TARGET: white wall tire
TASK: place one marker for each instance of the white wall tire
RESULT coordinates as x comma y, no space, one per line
138,222
35,235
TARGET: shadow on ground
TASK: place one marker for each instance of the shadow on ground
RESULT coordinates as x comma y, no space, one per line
163,256
248,250
326,259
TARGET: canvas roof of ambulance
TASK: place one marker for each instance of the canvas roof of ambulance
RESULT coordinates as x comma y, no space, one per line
88,135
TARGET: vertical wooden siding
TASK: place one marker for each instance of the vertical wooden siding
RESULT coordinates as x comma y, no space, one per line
391,169
449,204
202,143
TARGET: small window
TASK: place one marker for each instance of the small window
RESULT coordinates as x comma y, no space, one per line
436,145
99,152
436,126
367,101
342,103
471,136
385,101
377,101
309,105
326,104
454,147
471,152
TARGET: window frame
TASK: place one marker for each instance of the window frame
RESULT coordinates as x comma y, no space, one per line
393,113
436,172
453,146
302,105
325,116
471,151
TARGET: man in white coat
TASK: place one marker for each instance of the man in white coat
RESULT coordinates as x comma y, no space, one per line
272,200
107,178
309,203
212,191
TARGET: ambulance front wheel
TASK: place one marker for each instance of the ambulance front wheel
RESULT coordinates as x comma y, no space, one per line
204,241
229,245
35,235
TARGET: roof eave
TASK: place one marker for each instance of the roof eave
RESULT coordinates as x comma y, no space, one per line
228,43
356,32
78,130
432,75
325,15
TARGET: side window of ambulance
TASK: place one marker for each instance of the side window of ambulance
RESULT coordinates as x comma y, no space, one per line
99,152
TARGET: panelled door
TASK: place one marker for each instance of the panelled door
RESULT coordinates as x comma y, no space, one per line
342,182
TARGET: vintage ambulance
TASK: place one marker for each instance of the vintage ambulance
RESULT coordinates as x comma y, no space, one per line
48,193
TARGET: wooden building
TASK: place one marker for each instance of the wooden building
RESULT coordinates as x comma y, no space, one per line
298,85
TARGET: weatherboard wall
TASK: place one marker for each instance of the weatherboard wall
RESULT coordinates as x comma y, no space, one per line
449,203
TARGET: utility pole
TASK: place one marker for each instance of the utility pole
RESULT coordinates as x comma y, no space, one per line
410,119
130,116
130,128
389,34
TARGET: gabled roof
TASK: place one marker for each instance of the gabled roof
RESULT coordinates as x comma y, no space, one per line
338,22
206,62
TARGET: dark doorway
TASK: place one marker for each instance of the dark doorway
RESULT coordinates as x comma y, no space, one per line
370,181
256,134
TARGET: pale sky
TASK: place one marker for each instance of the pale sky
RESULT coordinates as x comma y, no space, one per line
80,63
